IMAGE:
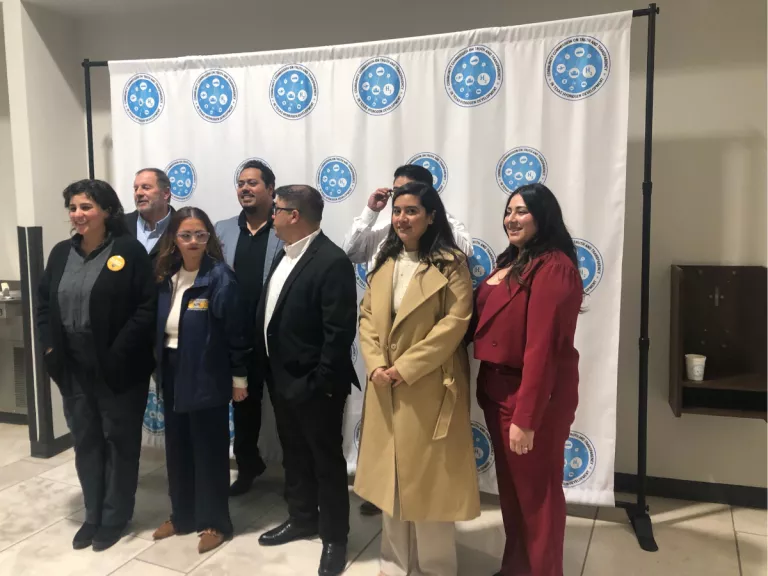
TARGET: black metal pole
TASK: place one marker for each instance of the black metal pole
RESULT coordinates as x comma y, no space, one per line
89,116
638,514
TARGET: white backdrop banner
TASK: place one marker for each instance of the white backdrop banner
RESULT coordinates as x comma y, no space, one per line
484,110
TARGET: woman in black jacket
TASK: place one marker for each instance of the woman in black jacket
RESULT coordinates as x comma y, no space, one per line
95,319
202,342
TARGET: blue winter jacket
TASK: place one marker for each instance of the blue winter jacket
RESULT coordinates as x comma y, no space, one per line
213,346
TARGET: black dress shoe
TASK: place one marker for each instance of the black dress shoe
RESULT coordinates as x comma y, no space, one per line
369,509
84,536
334,559
288,531
106,537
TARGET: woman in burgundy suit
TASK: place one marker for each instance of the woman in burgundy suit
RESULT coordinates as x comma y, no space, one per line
524,325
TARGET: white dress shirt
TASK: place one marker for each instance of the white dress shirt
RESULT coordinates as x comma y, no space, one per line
363,242
293,254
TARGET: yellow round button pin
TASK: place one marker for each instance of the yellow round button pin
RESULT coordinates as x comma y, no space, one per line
116,263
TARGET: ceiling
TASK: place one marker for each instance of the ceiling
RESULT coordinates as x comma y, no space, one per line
106,7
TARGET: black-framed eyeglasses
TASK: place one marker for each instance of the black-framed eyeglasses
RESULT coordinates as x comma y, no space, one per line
276,209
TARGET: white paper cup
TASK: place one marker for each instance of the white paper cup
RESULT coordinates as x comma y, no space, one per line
694,366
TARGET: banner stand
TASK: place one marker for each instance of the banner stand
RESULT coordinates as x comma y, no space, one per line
636,511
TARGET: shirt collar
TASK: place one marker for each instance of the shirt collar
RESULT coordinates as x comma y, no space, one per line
298,248
162,224
242,222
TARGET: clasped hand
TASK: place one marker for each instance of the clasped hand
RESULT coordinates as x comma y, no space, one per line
520,440
386,377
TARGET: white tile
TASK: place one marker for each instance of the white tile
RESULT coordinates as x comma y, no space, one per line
66,473
14,443
751,521
58,460
50,552
244,556
367,563
693,539
19,471
139,568
362,529
176,553
753,551
32,505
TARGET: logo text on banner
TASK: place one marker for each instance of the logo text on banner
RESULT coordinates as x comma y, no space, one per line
580,459
293,91
215,95
590,263
183,177
578,67
379,86
336,179
519,166
482,263
473,76
143,98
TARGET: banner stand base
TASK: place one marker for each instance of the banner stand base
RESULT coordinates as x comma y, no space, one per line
641,524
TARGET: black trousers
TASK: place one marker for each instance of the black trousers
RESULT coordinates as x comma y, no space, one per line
315,468
106,429
247,419
197,458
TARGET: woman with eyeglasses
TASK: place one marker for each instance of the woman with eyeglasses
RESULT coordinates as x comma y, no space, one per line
202,349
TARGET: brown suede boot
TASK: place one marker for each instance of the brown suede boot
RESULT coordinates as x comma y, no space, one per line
166,530
210,539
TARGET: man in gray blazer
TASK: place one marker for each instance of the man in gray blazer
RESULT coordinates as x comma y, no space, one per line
250,246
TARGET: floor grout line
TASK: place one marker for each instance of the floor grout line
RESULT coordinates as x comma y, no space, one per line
589,543
35,533
736,539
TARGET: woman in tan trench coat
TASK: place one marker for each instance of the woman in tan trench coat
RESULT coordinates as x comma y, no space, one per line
416,459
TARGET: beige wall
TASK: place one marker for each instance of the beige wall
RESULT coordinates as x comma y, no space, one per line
9,246
709,158
48,129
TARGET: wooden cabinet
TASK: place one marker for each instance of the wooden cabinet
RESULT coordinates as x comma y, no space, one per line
720,312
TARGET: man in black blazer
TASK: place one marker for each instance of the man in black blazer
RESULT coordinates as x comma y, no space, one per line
152,197
306,323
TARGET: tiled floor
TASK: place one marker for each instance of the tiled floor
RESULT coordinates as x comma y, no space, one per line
41,509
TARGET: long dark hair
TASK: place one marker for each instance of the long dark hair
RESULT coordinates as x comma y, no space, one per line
551,233
105,196
169,258
437,240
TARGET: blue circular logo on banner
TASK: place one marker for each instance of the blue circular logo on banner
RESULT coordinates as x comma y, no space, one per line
435,165
154,415
519,166
578,67
336,178
361,273
231,423
353,352
358,431
473,76
590,264
215,95
183,179
143,98
481,441
239,168
579,461
482,262
293,91
379,86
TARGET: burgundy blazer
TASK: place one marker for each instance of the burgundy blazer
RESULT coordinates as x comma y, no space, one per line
532,329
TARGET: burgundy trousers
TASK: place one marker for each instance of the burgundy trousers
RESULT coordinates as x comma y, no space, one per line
531,485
